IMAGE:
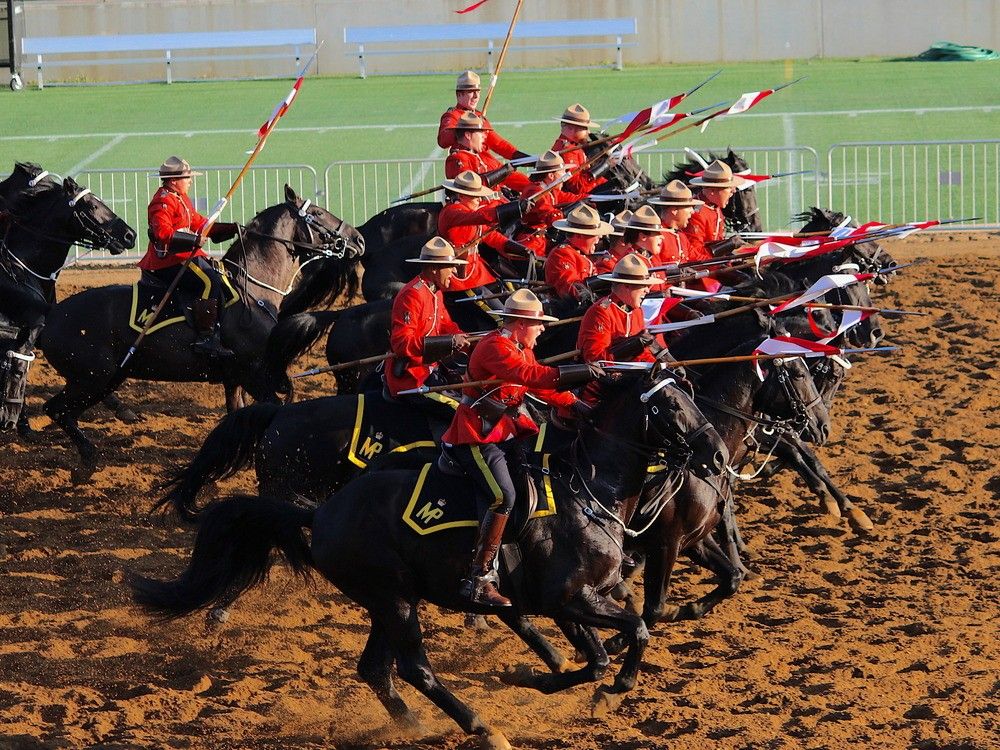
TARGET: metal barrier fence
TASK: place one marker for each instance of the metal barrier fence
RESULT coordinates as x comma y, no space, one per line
897,181
129,191
888,181
357,190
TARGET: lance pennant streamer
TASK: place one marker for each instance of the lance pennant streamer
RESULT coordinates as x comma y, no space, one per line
280,109
472,7
745,102
792,347
848,320
821,287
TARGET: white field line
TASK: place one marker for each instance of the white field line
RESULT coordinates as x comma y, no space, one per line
78,167
514,123
418,178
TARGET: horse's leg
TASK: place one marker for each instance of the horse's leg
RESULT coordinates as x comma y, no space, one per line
234,396
587,643
729,533
121,411
708,554
811,469
527,632
660,561
402,630
590,609
64,409
375,668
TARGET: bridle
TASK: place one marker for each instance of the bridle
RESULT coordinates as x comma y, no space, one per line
92,234
333,244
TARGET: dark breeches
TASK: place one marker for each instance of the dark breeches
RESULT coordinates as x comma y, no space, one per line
486,466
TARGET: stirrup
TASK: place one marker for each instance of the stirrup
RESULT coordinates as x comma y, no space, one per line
481,590
211,346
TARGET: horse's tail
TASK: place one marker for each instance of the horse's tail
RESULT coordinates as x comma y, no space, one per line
227,449
291,338
232,553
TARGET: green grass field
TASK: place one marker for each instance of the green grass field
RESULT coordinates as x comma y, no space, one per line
74,129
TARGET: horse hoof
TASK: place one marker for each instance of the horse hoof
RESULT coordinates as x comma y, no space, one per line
605,702
519,676
217,616
477,623
689,612
563,665
579,657
409,725
82,474
831,507
860,519
615,644
494,741
128,416
750,575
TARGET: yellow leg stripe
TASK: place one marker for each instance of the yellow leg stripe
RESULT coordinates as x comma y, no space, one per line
477,454
204,280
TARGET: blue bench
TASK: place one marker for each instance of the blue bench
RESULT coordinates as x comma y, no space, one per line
43,47
489,33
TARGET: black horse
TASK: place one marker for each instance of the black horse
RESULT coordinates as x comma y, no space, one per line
568,558
88,334
41,219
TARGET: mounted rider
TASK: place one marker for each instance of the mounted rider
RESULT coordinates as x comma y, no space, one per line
422,332
676,204
570,264
467,91
616,247
707,227
471,214
491,415
613,328
536,220
470,152
575,125
643,237
174,228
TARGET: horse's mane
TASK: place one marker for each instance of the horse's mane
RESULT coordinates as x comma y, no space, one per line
23,199
681,169
817,219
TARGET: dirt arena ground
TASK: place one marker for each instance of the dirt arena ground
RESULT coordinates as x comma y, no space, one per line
884,640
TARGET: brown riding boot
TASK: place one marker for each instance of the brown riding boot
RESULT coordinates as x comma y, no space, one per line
206,321
480,586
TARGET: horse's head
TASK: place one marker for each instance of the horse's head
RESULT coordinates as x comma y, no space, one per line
320,232
789,392
828,374
742,212
623,175
651,410
92,221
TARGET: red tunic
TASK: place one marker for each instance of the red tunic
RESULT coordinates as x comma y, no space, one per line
418,311
461,159
581,181
707,224
460,225
541,215
565,267
677,248
497,357
606,322
495,143
169,211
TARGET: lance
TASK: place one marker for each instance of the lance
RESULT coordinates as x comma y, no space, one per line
764,357
381,357
503,54
214,217
482,383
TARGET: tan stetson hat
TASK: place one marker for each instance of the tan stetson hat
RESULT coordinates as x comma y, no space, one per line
468,81
525,305
175,167
676,195
717,175
583,220
619,222
645,219
437,251
550,161
468,183
469,121
577,114
630,270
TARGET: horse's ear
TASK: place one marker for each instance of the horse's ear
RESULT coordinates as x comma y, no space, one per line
70,186
765,321
290,195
